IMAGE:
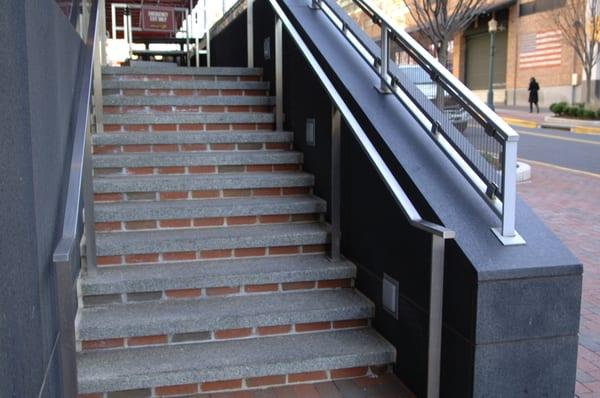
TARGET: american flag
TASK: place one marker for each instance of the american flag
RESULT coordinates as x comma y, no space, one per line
540,49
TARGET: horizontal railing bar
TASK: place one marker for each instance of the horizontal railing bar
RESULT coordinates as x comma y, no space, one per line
63,250
407,207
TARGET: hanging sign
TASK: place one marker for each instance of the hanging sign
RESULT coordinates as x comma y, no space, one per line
157,19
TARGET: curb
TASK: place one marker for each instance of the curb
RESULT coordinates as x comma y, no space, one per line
531,124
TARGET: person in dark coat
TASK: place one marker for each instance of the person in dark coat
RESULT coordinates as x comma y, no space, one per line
534,87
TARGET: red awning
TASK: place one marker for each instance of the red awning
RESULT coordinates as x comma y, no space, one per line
135,13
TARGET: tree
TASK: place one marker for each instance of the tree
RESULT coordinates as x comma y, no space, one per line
440,20
578,21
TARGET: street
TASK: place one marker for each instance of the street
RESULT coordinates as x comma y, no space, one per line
560,148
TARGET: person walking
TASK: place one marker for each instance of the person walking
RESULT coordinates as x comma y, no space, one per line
534,87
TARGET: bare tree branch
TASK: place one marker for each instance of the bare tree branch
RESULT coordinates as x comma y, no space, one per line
440,20
579,21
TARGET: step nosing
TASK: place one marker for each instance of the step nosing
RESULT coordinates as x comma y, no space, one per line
215,273
226,360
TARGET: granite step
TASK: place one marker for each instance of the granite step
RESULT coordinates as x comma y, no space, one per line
192,137
200,363
187,100
208,208
212,158
202,182
184,85
198,240
180,70
188,118
210,314
213,273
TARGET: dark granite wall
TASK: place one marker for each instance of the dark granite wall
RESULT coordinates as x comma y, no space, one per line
511,314
39,57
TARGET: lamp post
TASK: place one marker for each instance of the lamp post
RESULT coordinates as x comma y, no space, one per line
492,28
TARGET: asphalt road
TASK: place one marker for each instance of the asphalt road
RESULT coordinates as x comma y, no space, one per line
560,148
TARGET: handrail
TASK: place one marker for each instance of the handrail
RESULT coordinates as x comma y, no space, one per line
483,149
82,112
439,233
79,188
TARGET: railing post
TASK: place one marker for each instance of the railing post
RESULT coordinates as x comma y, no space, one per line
206,34
507,234
385,57
98,101
250,32
336,143
88,204
436,299
66,306
278,74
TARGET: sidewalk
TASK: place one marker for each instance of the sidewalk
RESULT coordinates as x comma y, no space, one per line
519,116
568,203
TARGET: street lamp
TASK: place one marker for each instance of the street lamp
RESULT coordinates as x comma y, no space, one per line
492,28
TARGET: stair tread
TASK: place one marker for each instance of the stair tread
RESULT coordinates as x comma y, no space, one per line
180,70
120,369
159,159
185,84
219,313
194,239
188,117
214,273
201,182
222,207
190,137
130,100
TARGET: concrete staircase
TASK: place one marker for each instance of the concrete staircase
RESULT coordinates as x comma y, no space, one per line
211,247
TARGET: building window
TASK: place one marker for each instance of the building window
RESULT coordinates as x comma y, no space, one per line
532,7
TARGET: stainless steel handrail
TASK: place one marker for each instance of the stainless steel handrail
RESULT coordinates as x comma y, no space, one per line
439,233
502,197
79,188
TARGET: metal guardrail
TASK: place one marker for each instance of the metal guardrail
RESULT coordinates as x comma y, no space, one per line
439,233
66,256
480,144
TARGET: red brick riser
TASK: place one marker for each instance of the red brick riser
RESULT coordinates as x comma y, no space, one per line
257,382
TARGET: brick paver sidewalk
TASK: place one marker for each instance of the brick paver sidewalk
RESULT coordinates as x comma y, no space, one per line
569,203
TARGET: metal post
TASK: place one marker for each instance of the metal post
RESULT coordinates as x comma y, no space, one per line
187,37
278,75
98,101
88,204
436,301
128,35
250,32
490,96
66,307
196,38
102,11
113,15
336,143
507,234
206,35
510,188
385,56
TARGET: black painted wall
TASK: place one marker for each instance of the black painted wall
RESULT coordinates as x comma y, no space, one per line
38,58
508,312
